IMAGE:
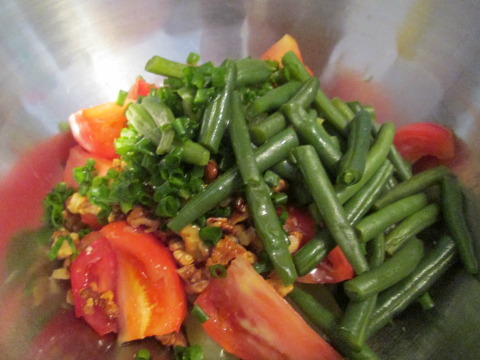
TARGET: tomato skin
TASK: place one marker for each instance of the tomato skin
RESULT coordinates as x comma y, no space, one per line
140,88
97,264
163,295
78,157
333,269
249,319
417,140
96,128
299,219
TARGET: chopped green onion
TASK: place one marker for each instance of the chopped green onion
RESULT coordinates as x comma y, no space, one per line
218,271
122,96
199,314
280,198
142,354
193,58
210,235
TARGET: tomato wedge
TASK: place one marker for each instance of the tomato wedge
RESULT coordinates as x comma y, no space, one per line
78,157
333,269
249,319
140,273
93,274
282,46
417,140
96,128
148,273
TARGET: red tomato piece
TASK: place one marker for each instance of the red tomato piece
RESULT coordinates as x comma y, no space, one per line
140,88
140,273
249,319
96,128
93,273
147,273
78,157
299,219
416,140
333,269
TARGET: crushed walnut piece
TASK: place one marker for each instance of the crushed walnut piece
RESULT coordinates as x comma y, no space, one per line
193,244
96,298
138,217
277,284
173,339
195,280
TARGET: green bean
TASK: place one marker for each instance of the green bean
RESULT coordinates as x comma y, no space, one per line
311,133
359,204
251,71
267,224
387,274
194,153
376,156
332,212
395,299
418,183
411,226
212,129
267,155
265,129
326,321
352,164
344,109
313,252
452,206
297,71
287,171
379,221
273,99
161,66
354,323
306,94
309,256
163,117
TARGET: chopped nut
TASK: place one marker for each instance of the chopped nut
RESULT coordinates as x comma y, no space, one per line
104,300
138,217
193,244
222,223
226,250
78,204
281,187
69,299
196,280
61,274
245,236
295,238
210,171
173,339
118,164
182,257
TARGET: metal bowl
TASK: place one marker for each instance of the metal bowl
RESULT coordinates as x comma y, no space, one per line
413,60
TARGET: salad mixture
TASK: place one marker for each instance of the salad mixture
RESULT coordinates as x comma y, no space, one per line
236,211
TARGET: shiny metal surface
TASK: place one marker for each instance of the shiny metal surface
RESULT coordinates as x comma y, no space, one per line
58,56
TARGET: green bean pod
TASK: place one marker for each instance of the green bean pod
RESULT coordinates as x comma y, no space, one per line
344,109
376,156
307,92
331,211
310,131
161,66
267,224
213,128
313,252
267,155
379,221
273,99
395,299
417,183
387,274
352,164
452,206
287,171
265,129
353,326
411,226
251,71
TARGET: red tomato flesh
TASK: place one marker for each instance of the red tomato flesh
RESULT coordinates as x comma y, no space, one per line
417,140
141,273
96,128
299,219
249,319
333,269
78,157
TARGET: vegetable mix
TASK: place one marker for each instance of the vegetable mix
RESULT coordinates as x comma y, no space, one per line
195,212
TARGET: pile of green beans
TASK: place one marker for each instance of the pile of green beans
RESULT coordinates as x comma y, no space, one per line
344,166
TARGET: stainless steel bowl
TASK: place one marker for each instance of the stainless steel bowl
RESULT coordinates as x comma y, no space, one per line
415,60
